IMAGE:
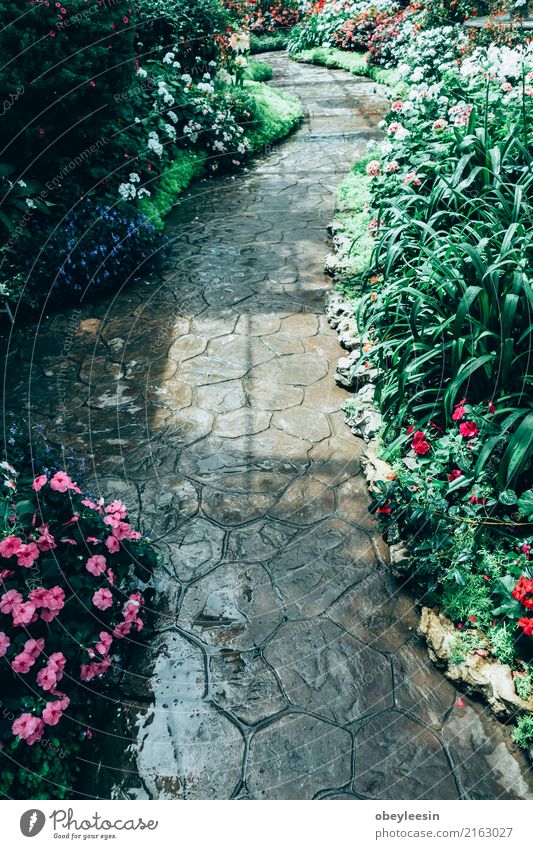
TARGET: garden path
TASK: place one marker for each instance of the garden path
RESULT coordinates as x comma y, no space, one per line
286,662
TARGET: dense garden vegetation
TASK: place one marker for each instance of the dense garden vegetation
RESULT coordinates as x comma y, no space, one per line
111,111
440,215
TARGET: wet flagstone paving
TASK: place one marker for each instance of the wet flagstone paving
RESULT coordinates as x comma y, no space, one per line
286,663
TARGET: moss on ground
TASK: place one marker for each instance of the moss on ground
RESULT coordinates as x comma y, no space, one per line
277,114
261,72
351,221
186,167
354,63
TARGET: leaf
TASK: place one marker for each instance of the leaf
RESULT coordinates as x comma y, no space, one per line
508,497
525,504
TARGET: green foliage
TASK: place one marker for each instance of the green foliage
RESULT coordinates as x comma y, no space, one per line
464,642
502,642
186,167
275,115
471,597
267,43
189,27
260,72
523,682
523,732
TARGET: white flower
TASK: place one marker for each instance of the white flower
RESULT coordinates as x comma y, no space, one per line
154,143
134,178
207,88
170,131
168,58
241,61
21,183
187,79
417,75
127,191
143,193
240,42
30,203
141,72
173,117
224,76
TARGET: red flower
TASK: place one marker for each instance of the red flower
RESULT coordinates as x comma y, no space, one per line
386,510
468,429
410,429
420,445
456,473
523,592
526,625
492,408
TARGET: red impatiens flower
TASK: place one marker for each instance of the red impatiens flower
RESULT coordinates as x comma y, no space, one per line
523,592
526,625
385,510
454,474
420,445
468,429
459,411
492,408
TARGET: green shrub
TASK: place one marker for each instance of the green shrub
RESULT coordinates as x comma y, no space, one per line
275,115
260,72
267,43
189,27
523,732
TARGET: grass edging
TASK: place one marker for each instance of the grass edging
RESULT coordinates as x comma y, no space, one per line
355,63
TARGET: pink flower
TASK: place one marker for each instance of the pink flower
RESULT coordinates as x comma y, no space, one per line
392,167
506,87
397,106
102,599
456,473
459,411
118,508
373,227
412,179
27,554
122,630
93,540
94,669
39,482
373,169
51,601
46,541
91,504
112,545
468,429
61,482
5,642
29,728
491,408
57,662
34,647
22,663
440,124
23,613
54,711
10,546
8,600
96,565
131,607
105,643
47,678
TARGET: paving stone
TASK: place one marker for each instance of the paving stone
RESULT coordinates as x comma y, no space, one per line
303,422
328,672
243,422
245,351
296,757
399,759
301,325
243,684
378,612
221,398
234,607
305,502
195,548
269,396
487,765
235,508
313,571
336,460
294,369
186,347
259,541
418,690
166,501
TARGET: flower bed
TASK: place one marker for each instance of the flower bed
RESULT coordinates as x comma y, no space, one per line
121,143
70,606
443,317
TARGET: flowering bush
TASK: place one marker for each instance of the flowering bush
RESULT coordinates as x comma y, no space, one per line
393,31
68,602
267,16
356,32
95,248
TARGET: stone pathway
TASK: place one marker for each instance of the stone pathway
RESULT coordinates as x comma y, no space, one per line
286,663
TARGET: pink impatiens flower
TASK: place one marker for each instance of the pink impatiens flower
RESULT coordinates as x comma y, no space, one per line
39,482
22,663
373,169
46,541
10,546
112,545
8,600
29,728
23,613
468,429
102,599
5,642
96,564
27,554
118,508
47,678
61,482
54,711
105,643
